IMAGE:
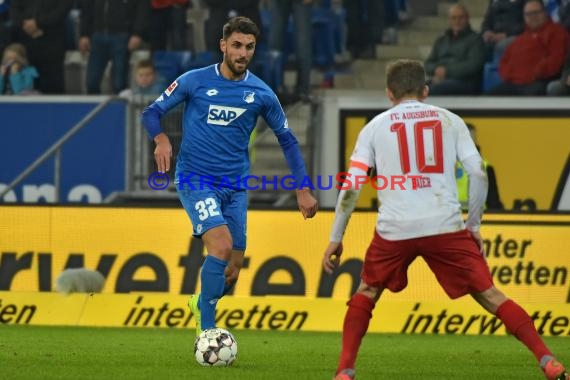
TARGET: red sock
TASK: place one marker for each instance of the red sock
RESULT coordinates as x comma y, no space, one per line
355,326
518,323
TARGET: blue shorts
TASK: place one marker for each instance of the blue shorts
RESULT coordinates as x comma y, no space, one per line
211,208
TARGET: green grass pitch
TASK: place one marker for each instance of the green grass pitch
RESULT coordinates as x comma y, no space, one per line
28,352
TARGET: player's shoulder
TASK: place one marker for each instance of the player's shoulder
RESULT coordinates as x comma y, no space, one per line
441,110
202,73
253,80
448,117
379,120
189,80
375,124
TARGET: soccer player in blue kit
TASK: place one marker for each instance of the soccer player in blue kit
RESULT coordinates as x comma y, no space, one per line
222,103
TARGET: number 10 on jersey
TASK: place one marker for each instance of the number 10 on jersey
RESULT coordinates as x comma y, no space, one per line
421,129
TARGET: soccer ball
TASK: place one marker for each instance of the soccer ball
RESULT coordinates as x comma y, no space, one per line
215,348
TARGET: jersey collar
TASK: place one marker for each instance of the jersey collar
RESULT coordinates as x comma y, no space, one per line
218,73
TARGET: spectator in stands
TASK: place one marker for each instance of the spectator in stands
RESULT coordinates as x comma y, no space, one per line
535,57
457,57
301,9
168,25
16,75
5,24
40,26
110,31
502,23
561,87
365,22
220,12
493,201
146,81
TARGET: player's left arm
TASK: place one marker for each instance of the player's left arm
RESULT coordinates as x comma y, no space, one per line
478,183
308,205
277,121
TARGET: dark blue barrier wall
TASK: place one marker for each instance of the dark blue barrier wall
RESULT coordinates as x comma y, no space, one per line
92,161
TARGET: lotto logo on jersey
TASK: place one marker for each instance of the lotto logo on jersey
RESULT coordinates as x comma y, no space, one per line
221,115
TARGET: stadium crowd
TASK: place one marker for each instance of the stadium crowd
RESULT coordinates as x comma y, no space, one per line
518,38
521,49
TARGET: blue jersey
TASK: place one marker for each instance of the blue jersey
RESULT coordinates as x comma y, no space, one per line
219,117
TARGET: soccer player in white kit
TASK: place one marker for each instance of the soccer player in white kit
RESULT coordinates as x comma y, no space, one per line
421,216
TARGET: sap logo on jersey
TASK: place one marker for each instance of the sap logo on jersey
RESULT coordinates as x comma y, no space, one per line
221,115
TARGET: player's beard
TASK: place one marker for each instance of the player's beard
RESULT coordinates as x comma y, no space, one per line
233,66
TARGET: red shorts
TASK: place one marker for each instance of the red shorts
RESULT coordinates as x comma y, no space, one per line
454,258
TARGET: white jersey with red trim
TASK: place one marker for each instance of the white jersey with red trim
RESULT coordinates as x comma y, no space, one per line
414,147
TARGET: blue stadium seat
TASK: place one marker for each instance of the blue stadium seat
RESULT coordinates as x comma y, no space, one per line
491,76
170,64
202,59
265,23
339,17
184,60
268,65
328,40
324,48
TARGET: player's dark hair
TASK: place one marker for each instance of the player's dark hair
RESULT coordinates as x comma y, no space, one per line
406,77
240,24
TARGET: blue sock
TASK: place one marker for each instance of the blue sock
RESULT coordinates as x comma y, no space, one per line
227,288
213,281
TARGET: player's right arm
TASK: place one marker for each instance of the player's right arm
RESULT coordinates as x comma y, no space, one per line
162,152
345,205
175,94
361,160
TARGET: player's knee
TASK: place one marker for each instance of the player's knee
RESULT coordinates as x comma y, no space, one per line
225,251
490,299
222,250
497,297
218,242
492,294
369,291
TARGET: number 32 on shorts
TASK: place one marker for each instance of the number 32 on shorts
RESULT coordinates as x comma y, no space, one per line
206,208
